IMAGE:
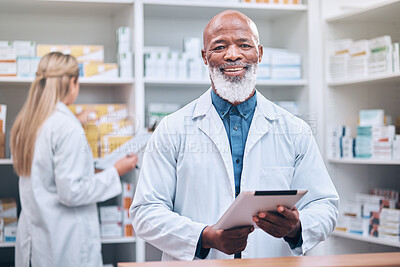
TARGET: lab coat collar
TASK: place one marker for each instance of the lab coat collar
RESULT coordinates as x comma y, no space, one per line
64,109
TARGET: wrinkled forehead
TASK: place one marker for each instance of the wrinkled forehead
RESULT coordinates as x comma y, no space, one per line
230,24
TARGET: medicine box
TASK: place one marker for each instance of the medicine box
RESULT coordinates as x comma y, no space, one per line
111,229
110,213
8,208
100,70
124,40
83,53
25,48
10,232
125,64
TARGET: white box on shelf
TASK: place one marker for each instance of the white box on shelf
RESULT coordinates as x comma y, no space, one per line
286,59
6,44
124,40
372,117
25,48
8,54
125,64
172,65
380,57
10,232
396,58
157,111
8,68
111,229
286,73
27,66
182,66
110,213
358,59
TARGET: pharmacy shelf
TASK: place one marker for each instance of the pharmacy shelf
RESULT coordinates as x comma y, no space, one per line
365,161
369,239
7,244
207,82
377,79
207,9
105,82
5,161
118,240
384,11
66,7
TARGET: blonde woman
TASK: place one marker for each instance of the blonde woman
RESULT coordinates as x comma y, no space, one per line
58,224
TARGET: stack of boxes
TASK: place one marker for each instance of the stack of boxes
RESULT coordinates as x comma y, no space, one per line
8,220
127,198
108,127
381,55
8,59
389,224
338,59
341,143
279,64
351,60
3,113
357,65
372,215
164,63
157,111
89,57
374,139
115,220
124,52
110,221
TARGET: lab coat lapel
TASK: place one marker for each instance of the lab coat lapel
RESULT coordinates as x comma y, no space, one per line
212,126
260,124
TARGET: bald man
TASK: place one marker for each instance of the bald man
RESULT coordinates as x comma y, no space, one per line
231,139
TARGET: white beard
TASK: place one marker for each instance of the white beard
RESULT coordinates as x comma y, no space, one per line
234,89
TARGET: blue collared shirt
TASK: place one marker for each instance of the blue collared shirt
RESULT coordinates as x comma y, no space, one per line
237,121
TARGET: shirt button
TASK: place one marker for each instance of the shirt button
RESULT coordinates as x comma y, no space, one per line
244,114
235,128
237,161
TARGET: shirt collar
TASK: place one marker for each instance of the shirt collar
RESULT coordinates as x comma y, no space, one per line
245,108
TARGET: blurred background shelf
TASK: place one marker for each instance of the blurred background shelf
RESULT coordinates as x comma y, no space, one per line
369,239
365,161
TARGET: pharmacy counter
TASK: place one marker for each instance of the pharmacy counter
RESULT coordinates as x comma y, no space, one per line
349,260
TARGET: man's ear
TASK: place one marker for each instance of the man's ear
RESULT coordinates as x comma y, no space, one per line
260,53
203,55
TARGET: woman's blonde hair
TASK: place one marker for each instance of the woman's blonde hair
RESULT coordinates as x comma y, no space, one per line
50,86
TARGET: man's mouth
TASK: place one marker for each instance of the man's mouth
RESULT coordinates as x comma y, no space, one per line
234,70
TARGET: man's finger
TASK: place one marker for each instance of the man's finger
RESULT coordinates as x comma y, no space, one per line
287,213
238,232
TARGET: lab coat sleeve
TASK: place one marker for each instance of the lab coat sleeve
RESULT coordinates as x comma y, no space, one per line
74,171
319,207
152,210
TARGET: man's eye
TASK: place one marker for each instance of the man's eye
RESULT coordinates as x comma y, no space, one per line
245,45
219,47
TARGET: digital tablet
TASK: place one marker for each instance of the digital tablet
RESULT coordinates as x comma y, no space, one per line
250,203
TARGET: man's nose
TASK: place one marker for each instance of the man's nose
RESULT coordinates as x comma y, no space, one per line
233,53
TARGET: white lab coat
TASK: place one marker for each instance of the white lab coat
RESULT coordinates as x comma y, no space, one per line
58,224
187,181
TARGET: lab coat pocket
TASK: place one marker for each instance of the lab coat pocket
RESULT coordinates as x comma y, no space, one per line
276,178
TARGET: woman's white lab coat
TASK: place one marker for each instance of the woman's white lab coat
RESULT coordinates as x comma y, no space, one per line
187,181
58,224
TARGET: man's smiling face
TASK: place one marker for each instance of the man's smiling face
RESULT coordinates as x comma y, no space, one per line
232,52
